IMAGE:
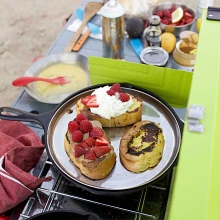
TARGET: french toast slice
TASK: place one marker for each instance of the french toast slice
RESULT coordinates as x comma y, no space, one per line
95,161
130,116
142,146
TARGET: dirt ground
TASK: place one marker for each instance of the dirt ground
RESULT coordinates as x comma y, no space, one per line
28,28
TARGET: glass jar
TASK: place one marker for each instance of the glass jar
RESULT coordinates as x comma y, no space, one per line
152,33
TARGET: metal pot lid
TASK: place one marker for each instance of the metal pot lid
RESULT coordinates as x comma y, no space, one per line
156,56
120,178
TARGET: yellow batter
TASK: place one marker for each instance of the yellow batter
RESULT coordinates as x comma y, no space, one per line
53,92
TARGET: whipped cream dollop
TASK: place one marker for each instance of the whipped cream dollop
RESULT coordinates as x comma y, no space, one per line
109,106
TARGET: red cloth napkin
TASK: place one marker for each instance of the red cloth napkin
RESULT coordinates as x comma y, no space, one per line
20,150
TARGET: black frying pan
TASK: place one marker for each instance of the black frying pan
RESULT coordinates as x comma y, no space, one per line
120,180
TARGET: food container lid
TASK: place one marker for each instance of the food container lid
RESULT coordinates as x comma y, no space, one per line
156,56
112,9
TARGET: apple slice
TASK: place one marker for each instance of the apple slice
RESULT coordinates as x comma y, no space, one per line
177,15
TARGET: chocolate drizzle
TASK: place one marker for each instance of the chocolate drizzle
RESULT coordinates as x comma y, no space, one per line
151,132
67,137
132,150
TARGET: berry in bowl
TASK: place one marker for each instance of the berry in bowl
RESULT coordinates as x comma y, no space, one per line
175,17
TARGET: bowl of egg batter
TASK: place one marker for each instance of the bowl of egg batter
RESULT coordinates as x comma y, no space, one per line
71,65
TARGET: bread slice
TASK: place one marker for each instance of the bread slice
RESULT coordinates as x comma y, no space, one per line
142,146
133,114
94,169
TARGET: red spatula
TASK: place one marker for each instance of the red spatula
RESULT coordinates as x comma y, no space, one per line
24,80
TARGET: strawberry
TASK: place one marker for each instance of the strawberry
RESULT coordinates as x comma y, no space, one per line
90,141
116,87
101,150
96,132
73,126
85,99
189,20
187,14
85,126
110,92
77,136
90,155
101,141
91,103
84,145
124,97
80,117
79,151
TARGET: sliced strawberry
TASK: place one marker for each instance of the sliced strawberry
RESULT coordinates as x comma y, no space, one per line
101,141
90,155
101,150
90,141
84,145
85,99
79,150
96,132
91,103
187,14
189,20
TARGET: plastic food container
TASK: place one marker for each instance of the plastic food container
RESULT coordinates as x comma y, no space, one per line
155,56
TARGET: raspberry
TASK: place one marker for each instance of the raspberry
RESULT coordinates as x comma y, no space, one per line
96,132
90,141
77,136
79,150
124,97
80,117
85,126
73,126
116,87
110,92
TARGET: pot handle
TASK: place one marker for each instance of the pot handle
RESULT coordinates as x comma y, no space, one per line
13,114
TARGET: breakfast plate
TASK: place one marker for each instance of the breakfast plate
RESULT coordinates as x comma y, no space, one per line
71,65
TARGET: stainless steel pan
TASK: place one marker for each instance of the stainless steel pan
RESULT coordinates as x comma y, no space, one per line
120,180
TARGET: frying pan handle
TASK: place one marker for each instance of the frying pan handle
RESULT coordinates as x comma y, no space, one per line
13,114
181,125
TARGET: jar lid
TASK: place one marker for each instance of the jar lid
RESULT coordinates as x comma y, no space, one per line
112,9
154,20
156,56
